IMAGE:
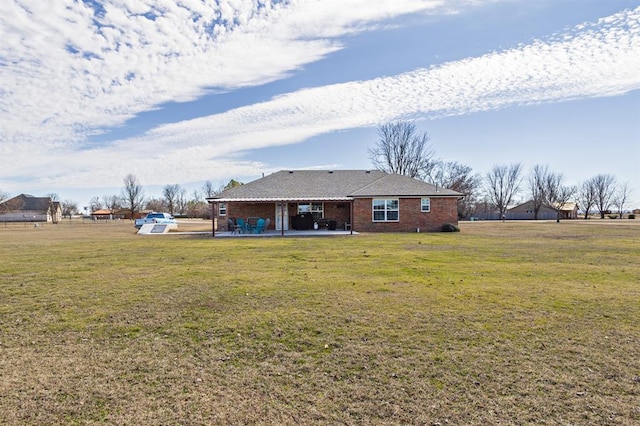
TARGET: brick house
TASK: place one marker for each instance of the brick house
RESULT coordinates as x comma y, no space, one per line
360,200
27,208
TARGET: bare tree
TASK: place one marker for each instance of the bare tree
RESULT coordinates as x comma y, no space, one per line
605,188
53,204
95,204
503,183
555,194
208,190
171,194
536,182
196,206
69,207
458,177
586,196
621,197
4,197
132,194
111,203
156,204
400,149
181,201
11,204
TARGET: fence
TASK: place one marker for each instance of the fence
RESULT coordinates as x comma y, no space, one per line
514,216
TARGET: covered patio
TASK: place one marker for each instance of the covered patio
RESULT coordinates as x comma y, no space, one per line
284,216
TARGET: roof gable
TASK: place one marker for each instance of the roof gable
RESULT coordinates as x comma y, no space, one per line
402,186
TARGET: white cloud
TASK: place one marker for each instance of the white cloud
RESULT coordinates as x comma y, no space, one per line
601,60
64,77
70,70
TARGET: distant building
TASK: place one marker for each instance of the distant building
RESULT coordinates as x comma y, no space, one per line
525,211
106,214
101,214
27,208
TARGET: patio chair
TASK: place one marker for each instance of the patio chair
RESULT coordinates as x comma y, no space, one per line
241,225
266,224
259,228
231,226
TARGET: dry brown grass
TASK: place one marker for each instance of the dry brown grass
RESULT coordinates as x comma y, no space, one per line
510,323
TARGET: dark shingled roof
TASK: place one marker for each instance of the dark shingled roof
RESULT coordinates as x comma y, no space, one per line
331,185
29,202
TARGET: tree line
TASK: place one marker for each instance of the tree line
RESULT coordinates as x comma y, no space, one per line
174,199
402,149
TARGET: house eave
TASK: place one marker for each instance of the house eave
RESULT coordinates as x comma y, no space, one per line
276,199
319,199
411,196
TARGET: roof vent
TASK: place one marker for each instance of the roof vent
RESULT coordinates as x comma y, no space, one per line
330,171
291,172
367,171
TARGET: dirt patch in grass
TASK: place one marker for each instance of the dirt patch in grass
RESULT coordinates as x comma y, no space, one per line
512,323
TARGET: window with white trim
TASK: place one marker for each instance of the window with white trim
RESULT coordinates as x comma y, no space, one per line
316,209
425,205
222,209
386,210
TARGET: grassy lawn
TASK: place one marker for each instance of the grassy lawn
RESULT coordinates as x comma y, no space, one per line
511,323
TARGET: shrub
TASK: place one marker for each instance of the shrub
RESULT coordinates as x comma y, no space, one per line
632,216
613,216
450,227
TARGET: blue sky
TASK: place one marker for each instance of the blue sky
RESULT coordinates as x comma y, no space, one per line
194,90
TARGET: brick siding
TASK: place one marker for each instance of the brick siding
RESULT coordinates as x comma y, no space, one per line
443,210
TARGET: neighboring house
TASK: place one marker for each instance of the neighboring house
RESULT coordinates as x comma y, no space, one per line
361,200
101,214
106,214
524,211
27,208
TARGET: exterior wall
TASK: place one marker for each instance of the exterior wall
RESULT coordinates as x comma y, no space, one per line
245,210
55,216
340,212
528,208
443,210
25,216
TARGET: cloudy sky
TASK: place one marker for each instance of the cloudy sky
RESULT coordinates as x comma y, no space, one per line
185,91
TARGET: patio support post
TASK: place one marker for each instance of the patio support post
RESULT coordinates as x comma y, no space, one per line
213,219
351,217
282,219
